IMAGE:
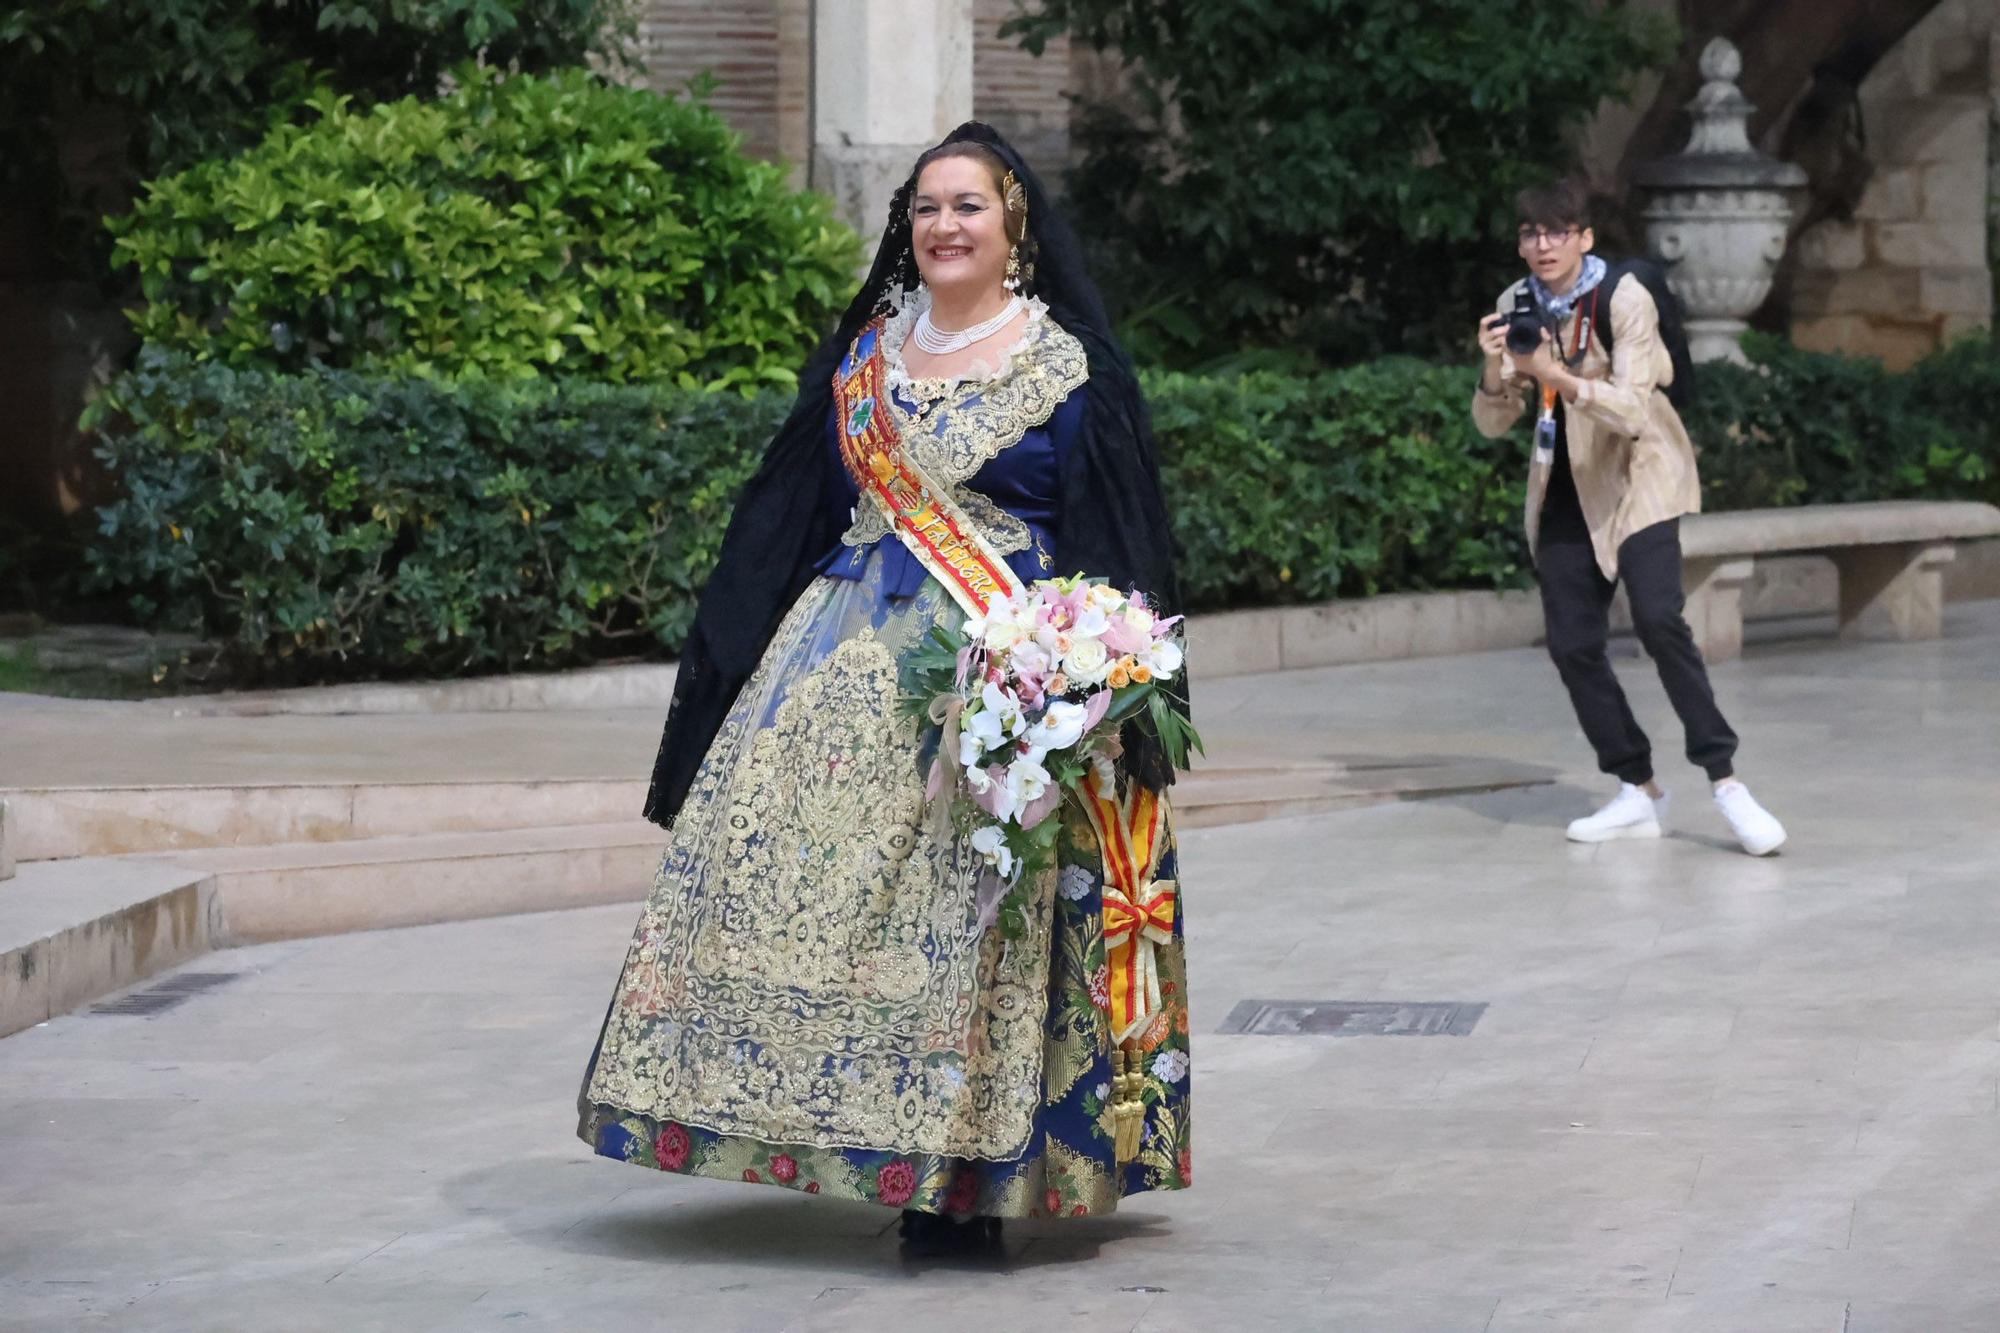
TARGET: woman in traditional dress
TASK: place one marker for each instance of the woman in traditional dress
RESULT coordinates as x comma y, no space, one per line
810,999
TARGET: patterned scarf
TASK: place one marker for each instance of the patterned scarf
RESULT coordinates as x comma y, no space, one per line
1559,307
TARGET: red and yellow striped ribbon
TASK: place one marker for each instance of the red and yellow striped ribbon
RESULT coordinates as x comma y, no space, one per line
1138,909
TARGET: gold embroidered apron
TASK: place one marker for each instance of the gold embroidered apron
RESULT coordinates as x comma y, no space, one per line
805,971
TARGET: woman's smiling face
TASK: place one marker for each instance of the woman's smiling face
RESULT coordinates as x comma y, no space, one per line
958,227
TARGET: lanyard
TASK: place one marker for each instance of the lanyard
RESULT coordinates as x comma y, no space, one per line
1545,424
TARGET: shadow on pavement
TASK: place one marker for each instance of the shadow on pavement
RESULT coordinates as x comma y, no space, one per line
669,1220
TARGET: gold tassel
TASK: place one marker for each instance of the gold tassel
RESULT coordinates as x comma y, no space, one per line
1127,1110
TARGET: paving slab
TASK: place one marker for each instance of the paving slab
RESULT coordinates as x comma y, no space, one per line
1707,1092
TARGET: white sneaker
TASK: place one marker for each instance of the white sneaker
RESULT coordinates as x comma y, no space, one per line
1629,814
1756,828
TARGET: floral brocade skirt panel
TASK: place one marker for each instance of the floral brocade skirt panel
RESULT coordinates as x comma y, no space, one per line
806,1003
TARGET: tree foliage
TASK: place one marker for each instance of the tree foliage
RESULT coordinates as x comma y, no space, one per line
1330,176
96,95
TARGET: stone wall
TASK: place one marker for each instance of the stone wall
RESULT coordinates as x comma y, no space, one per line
1022,96
1912,270
760,52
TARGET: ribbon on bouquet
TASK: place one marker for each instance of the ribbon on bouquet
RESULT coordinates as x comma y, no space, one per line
1138,908
923,514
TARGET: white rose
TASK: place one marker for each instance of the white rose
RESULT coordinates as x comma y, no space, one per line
1087,663
1002,635
1138,619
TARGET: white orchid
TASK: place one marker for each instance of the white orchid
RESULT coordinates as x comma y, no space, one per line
1162,657
1030,658
1003,706
1026,781
1061,726
1091,622
991,843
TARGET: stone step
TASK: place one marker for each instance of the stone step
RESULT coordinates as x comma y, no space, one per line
61,822
1209,797
71,931
75,929
294,890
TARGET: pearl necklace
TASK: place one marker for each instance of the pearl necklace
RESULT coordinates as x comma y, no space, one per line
930,338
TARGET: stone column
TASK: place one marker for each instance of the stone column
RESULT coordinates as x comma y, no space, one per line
890,78
1714,606
1894,591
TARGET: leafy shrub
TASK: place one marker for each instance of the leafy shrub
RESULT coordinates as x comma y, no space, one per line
1798,427
336,524
333,524
513,227
1301,488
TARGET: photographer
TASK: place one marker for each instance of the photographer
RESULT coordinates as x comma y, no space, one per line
1581,341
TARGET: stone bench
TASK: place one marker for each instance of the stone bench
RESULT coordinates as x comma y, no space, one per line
1890,556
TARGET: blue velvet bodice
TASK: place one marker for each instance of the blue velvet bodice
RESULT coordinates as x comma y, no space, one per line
1022,479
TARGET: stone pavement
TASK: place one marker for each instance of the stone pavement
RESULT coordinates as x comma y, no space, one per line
1707,1092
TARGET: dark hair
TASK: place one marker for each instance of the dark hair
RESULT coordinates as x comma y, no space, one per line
1566,203
996,166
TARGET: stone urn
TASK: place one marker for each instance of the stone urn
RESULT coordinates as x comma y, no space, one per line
1720,212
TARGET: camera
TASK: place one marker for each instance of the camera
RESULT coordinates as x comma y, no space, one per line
1525,324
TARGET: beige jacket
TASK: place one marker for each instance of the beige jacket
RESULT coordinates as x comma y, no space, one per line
1630,454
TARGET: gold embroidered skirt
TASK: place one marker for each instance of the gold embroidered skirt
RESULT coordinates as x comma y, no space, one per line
804,1002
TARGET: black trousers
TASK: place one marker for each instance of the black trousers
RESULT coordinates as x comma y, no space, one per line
1576,606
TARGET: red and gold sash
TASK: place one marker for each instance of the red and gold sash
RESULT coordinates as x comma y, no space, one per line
924,515
1138,909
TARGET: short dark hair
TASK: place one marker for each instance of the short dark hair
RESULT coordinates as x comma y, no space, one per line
1566,203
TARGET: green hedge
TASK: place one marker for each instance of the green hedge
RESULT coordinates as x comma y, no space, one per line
333,524
514,227
1805,428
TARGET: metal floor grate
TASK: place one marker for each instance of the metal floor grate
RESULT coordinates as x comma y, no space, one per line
1352,1018
165,993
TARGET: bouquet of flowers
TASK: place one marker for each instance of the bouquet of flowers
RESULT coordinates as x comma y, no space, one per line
1030,698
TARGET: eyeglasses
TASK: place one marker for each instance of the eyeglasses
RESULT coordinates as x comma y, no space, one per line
1535,236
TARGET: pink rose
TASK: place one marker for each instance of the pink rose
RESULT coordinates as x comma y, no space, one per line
785,1167
672,1147
895,1183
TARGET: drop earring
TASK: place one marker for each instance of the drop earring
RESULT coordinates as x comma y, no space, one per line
1013,282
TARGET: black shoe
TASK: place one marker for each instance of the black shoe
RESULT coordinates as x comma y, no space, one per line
928,1236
